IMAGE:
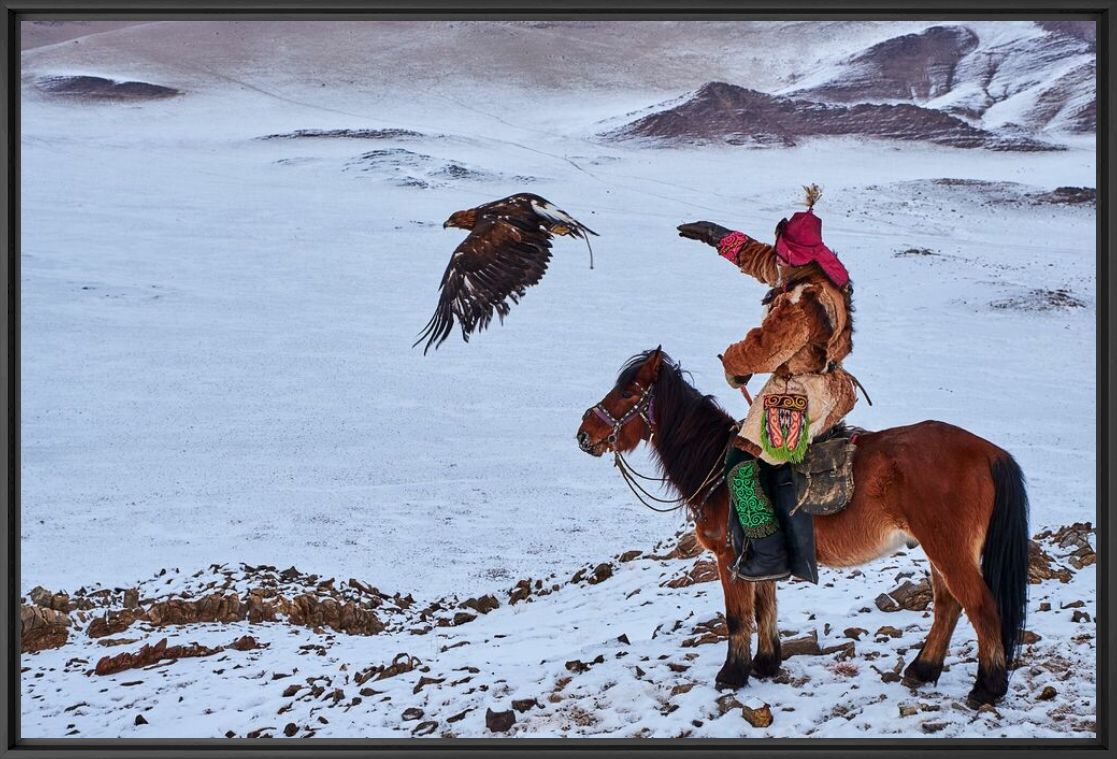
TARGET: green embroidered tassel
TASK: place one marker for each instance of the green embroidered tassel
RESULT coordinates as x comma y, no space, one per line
754,510
781,453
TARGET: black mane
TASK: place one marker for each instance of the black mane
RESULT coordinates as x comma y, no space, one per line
692,430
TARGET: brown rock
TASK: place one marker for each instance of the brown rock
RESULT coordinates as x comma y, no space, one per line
483,604
290,729
889,631
140,720
425,681
854,632
113,622
425,728
458,717
499,722
728,703
150,654
1080,616
933,727
907,710
520,592
291,690
805,645
411,714
41,628
911,596
629,556
761,717
1047,694
1027,637
523,704
601,573
131,598
844,651
463,617
246,643
1042,567
703,570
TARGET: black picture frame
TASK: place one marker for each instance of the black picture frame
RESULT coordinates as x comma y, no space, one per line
1103,11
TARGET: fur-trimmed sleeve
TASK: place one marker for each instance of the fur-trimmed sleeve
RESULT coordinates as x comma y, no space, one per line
755,258
785,330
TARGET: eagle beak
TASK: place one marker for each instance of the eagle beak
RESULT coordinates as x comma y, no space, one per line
446,224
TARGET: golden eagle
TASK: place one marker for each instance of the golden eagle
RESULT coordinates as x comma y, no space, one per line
507,251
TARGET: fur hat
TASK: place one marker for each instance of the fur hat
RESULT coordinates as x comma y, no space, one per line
799,241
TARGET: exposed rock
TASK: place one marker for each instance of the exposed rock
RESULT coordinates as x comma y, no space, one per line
728,703
933,727
629,556
1080,616
41,628
150,654
601,573
907,710
483,604
140,720
425,728
499,722
463,617
523,704
1041,566
760,717
290,729
806,645
1047,694
889,631
131,598
909,595
843,650
355,134
703,570
854,632
411,714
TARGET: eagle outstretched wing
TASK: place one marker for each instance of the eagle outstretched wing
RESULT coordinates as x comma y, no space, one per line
507,251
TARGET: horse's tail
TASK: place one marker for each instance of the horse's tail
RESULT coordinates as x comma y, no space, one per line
1004,559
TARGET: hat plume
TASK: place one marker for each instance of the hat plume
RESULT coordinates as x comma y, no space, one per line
814,192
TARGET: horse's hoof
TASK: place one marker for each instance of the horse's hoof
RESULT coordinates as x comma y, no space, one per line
732,676
765,666
919,672
979,698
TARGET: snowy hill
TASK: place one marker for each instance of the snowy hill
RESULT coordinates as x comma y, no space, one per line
220,289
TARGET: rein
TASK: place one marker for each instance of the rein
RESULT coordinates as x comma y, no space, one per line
644,409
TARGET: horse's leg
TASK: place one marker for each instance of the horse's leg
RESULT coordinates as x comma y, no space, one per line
768,654
927,665
739,600
962,576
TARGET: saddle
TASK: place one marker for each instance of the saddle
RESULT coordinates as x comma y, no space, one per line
823,480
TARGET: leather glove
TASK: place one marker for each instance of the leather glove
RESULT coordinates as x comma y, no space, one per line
703,231
736,381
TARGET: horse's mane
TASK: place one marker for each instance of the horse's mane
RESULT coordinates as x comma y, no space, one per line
692,429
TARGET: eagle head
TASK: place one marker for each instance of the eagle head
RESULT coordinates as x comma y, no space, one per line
460,219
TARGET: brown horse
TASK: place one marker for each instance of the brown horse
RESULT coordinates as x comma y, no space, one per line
961,497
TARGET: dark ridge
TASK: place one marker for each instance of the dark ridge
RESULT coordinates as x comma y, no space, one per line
724,112
99,88
356,134
920,66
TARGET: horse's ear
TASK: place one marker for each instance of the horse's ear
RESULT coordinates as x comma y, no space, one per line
650,370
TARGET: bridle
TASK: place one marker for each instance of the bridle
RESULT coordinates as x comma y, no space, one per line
644,408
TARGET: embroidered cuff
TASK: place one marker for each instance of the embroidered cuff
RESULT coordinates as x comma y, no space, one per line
730,245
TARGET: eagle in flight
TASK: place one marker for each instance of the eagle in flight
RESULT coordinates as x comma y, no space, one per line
506,252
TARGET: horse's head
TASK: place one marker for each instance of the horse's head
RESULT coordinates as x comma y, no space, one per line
623,417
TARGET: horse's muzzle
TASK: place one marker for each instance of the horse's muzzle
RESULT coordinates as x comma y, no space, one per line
586,444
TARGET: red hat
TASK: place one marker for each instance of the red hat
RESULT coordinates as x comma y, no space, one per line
799,241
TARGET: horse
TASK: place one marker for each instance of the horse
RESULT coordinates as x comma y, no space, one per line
962,498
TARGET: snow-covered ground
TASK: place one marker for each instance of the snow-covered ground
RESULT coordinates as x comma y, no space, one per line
216,368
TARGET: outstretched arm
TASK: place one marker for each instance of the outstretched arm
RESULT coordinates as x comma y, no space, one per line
751,256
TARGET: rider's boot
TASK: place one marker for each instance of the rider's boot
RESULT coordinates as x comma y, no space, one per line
762,553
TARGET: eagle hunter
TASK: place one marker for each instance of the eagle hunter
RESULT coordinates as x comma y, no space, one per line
506,252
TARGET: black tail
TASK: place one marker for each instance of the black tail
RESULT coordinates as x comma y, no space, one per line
1004,559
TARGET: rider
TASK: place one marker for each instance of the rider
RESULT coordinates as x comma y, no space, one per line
806,332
